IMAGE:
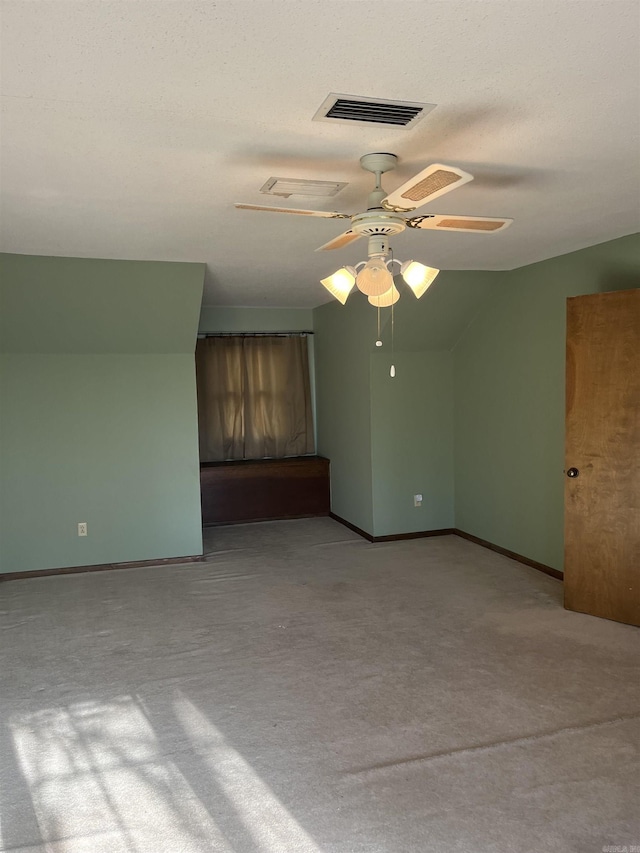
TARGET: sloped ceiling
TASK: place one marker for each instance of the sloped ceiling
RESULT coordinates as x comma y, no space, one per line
131,128
436,322
74,305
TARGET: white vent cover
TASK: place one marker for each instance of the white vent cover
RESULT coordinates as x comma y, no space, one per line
354,109
284,187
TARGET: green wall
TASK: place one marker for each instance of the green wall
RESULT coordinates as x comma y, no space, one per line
509,398
344,338
224,319
412,442
98,415
106,439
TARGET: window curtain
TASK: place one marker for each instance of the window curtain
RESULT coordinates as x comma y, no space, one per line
254,398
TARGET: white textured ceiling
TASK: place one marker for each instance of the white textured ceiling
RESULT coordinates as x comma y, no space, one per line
130,129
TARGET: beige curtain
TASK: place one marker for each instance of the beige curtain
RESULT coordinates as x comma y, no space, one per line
254,398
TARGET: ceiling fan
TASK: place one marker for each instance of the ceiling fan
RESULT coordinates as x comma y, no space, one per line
386,215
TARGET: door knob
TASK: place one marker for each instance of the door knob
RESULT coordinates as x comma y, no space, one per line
573,472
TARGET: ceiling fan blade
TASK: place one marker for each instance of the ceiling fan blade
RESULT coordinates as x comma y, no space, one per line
443,222
430,183
340,241
322,213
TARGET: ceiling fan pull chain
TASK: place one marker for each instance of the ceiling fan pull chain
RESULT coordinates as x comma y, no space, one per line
378,339
392,372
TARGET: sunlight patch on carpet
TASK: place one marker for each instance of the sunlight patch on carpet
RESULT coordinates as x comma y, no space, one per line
99,783
272,827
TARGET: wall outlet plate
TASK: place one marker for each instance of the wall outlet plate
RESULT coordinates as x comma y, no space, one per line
417,500
82,528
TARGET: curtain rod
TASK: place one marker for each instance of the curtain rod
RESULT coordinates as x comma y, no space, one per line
254,334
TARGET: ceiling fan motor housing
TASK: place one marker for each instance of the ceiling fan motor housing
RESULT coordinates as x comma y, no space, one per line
378,223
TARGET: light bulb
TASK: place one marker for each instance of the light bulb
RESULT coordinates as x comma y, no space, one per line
374,278
418,276
340,283
392,372
386,299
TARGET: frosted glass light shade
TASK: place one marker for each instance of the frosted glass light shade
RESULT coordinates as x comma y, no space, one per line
340,283
418,276
386,299
374,278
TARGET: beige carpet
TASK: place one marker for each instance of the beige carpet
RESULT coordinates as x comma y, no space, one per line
307,691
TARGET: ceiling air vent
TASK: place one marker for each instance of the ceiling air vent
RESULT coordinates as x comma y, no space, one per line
352,109
284,187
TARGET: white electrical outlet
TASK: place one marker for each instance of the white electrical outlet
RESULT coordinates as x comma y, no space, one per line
417,500
82,528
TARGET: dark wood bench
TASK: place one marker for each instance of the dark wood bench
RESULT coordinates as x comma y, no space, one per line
264,489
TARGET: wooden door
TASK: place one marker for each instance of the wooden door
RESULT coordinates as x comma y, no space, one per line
602,500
